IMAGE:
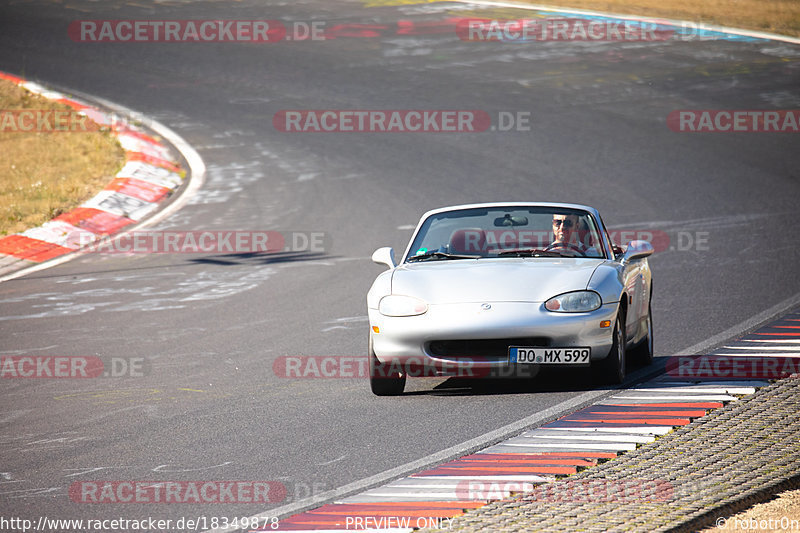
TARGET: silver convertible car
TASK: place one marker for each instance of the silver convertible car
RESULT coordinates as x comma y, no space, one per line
484,287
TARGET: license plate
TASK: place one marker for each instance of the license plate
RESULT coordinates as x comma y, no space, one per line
549,356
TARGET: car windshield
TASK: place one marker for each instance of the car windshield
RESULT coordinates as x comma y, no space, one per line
507,232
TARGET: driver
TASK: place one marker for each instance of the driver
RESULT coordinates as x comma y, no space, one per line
566,234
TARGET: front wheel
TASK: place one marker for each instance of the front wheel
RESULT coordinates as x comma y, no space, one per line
614,363
382,379
644,351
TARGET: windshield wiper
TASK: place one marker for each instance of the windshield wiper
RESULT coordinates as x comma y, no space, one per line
440,255
531,252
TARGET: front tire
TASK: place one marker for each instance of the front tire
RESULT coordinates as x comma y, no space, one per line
644,351
614,363
383,381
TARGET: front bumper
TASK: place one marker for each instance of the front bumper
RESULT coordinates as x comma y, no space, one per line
408,339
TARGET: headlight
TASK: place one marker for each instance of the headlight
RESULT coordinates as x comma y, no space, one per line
574,302
396,305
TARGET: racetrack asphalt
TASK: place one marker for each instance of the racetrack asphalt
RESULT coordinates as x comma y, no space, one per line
211,327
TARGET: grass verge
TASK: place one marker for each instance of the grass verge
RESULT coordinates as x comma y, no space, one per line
43,174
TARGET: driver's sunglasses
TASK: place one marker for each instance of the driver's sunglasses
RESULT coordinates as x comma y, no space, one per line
567,222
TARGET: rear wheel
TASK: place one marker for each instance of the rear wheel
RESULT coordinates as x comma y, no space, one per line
382,379
614,363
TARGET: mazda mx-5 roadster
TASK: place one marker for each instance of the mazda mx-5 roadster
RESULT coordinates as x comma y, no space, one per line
484,287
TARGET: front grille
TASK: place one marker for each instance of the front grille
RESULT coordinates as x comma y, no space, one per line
490,348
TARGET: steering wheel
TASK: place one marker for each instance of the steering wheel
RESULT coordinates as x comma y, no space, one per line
567,246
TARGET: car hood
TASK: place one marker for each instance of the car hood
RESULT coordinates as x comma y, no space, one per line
492,280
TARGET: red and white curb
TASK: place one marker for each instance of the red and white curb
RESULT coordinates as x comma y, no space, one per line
150,175
601,431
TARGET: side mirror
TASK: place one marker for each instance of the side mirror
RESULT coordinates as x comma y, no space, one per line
637,250
384,256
